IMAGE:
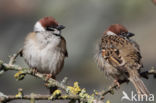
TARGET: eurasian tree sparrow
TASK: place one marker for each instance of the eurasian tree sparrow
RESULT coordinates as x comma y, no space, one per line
119,56
45,47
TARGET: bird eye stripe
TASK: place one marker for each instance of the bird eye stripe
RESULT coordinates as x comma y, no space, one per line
50,28
123,33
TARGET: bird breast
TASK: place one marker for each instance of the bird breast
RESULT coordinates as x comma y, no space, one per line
43,53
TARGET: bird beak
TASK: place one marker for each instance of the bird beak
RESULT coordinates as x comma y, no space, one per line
60,27
130,34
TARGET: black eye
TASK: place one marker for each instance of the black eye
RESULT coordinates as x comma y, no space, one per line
123,33
50,28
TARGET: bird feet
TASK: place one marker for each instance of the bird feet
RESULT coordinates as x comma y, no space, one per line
116,82
48,76
34,71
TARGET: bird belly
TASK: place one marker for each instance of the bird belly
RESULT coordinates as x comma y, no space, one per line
45,60
114,72
52,61
31,54
109,70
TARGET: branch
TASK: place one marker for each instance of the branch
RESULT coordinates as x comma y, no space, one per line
43,97
13,58
23,71
8,98
146,74
111,89
72,92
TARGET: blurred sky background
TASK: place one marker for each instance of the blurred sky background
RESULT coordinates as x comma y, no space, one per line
85,21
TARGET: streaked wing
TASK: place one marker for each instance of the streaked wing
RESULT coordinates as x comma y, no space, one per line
118,51
63,45
112,56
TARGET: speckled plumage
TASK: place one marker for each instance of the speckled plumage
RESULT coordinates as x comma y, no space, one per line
120,57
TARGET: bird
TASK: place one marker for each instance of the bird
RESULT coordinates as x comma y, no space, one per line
45,48
118,55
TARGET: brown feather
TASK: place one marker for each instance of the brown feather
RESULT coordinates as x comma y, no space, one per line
121,56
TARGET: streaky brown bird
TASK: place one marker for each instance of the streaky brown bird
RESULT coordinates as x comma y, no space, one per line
119,56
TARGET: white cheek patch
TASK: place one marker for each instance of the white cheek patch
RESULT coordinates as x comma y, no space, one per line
110,33
57,32
38,27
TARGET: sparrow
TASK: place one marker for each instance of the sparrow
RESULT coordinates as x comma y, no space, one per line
45,48
120,58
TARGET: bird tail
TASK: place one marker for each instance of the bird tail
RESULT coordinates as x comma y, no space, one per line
138,83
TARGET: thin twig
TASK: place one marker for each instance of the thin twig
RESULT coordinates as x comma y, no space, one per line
37,97
50,82
14,56
144,74
64,81
110,89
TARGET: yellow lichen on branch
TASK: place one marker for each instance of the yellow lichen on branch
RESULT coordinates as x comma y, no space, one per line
75,89
73,93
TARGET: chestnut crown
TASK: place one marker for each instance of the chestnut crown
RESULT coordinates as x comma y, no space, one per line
118,29
47,24
48,21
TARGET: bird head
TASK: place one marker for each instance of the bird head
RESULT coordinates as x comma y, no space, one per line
117,29
48,24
